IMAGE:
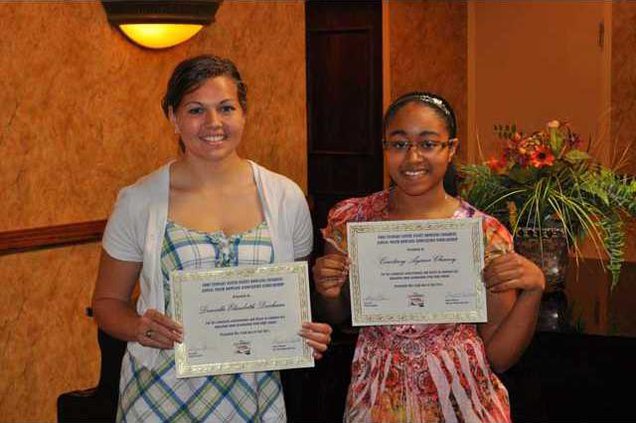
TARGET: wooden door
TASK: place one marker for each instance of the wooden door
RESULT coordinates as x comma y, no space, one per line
344,114
534,61
344,103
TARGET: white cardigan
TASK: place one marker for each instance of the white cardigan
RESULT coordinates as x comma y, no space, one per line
136,227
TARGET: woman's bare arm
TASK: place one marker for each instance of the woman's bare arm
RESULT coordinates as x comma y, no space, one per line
116,315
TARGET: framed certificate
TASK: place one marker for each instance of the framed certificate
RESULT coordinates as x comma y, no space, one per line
241,319
416,271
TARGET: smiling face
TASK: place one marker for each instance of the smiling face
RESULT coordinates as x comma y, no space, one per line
418,171
210,120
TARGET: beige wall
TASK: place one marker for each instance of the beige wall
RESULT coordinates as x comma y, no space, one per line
624,80
520,79
528,77
80,117
428,46
623,136
623,88
577,91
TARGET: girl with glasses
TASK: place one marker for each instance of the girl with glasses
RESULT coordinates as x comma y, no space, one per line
430,372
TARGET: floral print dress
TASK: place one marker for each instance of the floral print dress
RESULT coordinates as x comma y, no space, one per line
426,372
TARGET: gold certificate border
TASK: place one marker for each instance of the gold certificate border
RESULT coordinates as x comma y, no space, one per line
358,318
178,278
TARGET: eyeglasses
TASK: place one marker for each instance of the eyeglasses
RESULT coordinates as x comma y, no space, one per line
425,147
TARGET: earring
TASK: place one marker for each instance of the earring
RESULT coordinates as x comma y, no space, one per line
176,130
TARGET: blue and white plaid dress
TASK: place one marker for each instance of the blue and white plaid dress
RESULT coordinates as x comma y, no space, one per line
156,395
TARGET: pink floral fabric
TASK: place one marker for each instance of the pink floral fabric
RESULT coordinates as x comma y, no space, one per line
420,373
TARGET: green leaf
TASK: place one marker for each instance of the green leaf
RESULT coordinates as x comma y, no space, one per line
577,155
591,186
523,175
556,141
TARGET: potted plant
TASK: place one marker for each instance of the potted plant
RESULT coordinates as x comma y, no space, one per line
551,194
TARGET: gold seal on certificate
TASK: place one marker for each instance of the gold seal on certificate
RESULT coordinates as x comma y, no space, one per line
416,271
241,319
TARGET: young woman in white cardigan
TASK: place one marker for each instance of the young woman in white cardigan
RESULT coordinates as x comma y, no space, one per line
208,208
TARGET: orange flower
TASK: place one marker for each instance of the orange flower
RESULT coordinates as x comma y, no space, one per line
542,157
497,165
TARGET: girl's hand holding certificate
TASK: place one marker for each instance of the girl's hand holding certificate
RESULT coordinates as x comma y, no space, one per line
512,271
330,273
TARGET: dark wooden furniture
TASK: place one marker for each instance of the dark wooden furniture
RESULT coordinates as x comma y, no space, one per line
573,377
97,404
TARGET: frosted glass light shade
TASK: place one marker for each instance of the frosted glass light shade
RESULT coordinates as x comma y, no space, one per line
159,35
